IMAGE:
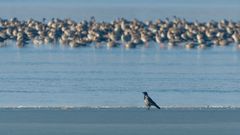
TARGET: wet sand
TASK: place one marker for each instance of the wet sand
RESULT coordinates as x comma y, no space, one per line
45,121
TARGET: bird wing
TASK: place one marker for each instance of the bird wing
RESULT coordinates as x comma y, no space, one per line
153,103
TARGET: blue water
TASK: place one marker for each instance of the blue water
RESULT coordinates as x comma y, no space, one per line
108,10
60,76
55,76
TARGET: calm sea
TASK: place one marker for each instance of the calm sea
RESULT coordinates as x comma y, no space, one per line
60,76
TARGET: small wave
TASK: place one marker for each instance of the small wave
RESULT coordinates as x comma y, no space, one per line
119,107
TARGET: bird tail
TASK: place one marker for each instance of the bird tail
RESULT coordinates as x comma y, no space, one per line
157,106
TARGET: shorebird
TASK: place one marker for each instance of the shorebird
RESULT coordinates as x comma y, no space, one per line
205,45
21,39
190,45
2,39
149,102
130,44
111,44
236,37
121,31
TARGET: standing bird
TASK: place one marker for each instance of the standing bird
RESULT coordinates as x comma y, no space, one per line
148,101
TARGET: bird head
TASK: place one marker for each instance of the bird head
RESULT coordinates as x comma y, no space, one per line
145,93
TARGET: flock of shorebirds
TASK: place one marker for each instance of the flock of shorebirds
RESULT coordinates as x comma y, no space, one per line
120,32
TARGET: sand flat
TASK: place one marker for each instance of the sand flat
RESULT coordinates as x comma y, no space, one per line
45,121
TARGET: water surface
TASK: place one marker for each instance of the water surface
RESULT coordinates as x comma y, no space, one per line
108,10
55,76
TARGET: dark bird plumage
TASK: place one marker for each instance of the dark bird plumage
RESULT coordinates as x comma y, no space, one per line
149,102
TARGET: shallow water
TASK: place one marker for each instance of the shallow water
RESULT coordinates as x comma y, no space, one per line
61,76
119,121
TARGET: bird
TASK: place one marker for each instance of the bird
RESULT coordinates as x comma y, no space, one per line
148,101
